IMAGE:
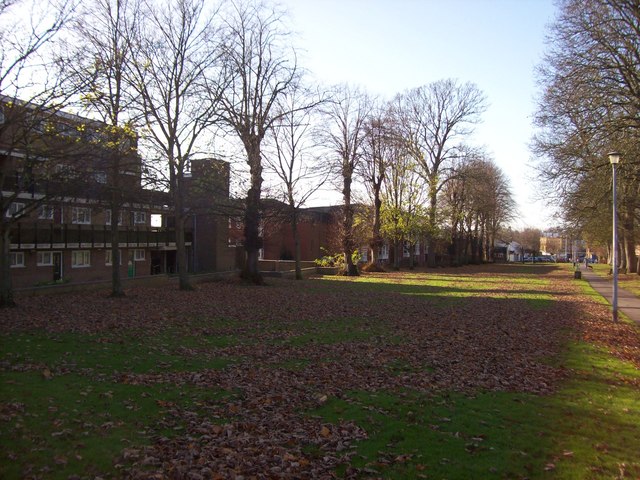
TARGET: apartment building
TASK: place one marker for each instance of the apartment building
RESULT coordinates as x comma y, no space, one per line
61,179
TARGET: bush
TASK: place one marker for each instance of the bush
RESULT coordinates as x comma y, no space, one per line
335,259
329,260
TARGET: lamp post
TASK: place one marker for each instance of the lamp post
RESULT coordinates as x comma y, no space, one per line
614,159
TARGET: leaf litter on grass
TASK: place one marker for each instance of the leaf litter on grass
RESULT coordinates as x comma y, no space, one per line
340,341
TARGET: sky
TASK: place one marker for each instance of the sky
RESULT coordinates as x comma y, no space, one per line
389,46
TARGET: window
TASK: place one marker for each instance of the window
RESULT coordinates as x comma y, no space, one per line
139,218
406,249
81,215
80,258
109,257
417,248
45,212
65,171
364,251
138,255
45,259
236,233
15,209
156,220
107,216
100,177
16,259
383,253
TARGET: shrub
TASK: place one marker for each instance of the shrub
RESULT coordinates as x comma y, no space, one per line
335,259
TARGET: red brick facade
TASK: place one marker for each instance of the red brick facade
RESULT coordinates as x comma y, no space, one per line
60,229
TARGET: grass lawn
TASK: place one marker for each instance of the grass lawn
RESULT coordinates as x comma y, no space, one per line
479,372
628,281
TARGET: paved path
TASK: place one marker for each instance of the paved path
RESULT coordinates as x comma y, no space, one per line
628,303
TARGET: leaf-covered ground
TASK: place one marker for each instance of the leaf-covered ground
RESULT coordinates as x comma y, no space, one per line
233,381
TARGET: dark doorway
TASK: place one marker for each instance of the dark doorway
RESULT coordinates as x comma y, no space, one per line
171,261
157,262
57,266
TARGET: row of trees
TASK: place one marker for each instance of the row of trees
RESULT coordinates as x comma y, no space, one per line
590,106
424,182
408,159
186,73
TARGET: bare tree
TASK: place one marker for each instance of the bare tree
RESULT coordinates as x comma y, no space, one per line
260,68
478,202
590,105
380,148
345,137
176,57
498,207
292,157
402,215
529,239
31,90
435,120
102,64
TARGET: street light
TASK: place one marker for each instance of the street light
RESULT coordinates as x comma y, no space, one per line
614,159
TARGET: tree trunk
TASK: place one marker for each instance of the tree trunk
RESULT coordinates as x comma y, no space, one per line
454,239
347,230
433,199
296,243
465,247
489,247
397,254
629,238
116,278
376,238
411,259
622,254
181,253
373,251
483,242
476,246
6,288
181,248
252,240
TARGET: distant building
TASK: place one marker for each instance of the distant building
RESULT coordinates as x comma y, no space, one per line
508,251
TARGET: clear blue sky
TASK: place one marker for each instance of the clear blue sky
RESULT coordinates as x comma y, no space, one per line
388,46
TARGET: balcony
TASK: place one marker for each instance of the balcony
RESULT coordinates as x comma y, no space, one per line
26,236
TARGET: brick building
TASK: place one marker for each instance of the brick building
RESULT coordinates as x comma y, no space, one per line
319,230
58,181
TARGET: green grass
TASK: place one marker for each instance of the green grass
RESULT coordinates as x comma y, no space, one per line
106,354
588,429
67,408
486,436
448,290
628,281
72,424
69,412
